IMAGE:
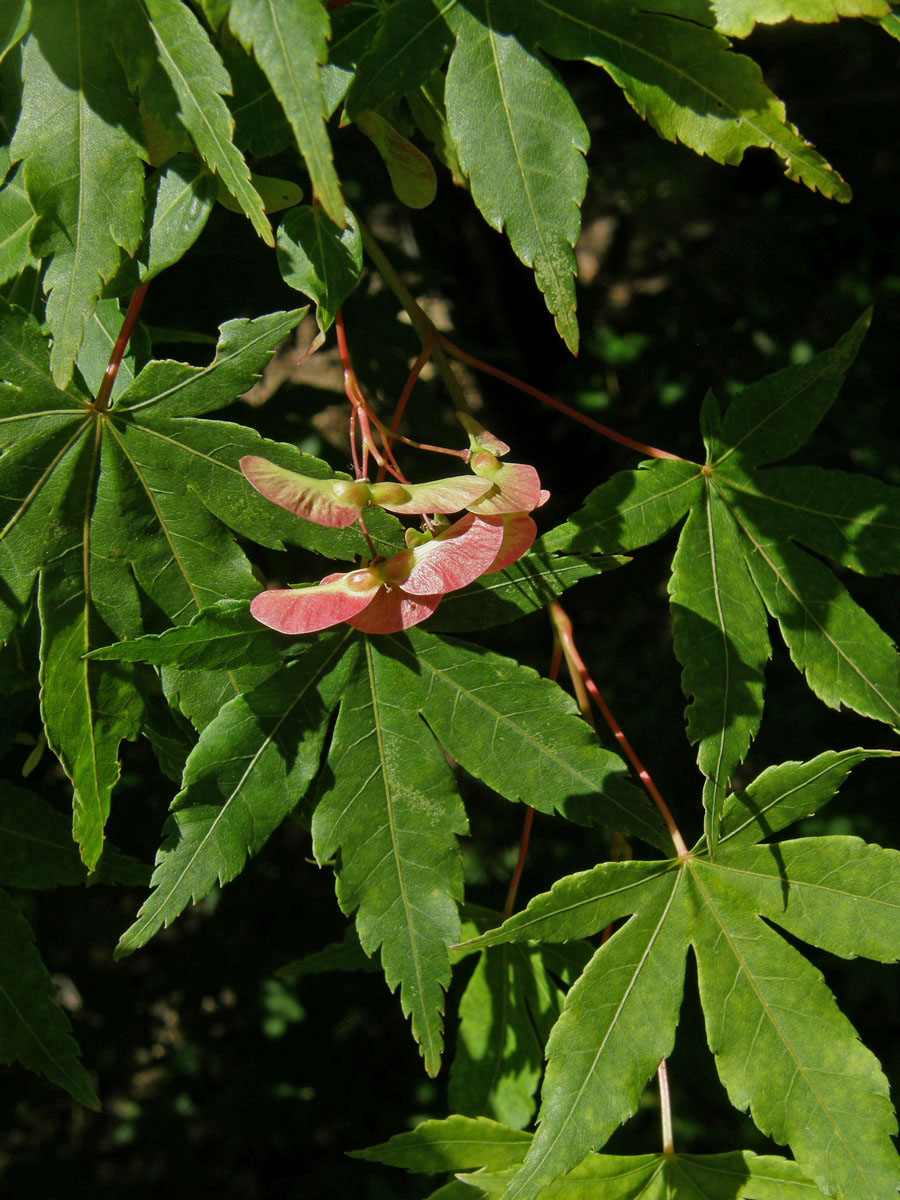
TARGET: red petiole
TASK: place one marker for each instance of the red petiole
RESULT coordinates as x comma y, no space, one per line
472,361
101,404
563,627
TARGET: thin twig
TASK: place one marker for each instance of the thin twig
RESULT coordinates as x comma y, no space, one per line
605,430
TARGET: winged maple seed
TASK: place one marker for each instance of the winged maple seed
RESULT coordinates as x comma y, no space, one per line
339,502
399,592
516,486
396,593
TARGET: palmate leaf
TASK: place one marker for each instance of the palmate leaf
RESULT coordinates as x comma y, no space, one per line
102,503
521,734
289,42
663,1176
34,1029
521,143
459,1143
682,77
737,557
251,766
78,138
765,1005
388,804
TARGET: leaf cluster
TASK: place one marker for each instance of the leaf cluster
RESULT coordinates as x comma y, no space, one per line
129,544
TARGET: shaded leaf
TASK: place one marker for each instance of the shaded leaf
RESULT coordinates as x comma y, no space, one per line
505,1014
345,955
14,25
352,30
772,419
223,636
632,509
833,892
846,657
37,851
180,198
17,219
523,587
34,1029
411,43
787,793
319,259
852,519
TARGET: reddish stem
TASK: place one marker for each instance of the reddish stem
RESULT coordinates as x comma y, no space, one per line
563,628
520,865
362,411
553,673
407,392
652,451
332,5
101,404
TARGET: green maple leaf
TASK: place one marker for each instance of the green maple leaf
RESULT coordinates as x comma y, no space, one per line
505,1015
251,765
384,798
78,137
740,557
16,220
289,42
183,83
680,76
460,1143
106,505
388,803
410,45
522,735
739,17
521,142
783,1049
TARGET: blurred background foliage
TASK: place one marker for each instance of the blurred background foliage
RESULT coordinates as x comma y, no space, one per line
217,1077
